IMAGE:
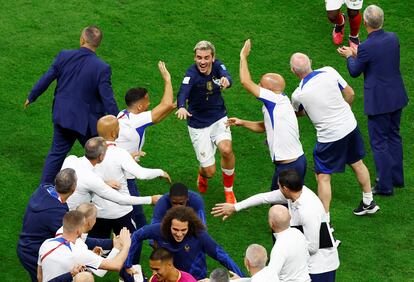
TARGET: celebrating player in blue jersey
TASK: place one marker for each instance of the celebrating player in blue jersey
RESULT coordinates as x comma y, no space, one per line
207,114
183,234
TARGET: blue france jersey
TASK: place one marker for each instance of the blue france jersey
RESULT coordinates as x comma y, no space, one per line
203,95
189,254
195,201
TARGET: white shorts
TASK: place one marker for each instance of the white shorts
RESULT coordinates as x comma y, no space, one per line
332,5
205,141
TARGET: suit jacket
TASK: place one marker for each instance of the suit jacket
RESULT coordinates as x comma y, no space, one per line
83,92
379,59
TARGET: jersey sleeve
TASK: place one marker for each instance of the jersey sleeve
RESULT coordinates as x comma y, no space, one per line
89,259
311,228
129,165
99,187
341,81
160,209
145,232
142,120
216,252
296,104
223,71
273,197
185,89
197,204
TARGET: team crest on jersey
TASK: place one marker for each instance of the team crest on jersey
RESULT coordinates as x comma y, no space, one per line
187,248
209,85
223,67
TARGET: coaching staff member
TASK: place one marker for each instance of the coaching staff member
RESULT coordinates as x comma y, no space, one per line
384,97
83,94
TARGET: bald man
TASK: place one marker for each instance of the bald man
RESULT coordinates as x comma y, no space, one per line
82,95
280,122
326,97
112,216
289,256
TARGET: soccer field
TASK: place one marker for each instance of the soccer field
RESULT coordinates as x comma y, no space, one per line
139,33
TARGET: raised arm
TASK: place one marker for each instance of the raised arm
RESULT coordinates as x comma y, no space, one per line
166,105
116,263
245,78
226,209
255,126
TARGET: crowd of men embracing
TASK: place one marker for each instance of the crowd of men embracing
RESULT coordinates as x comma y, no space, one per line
86,216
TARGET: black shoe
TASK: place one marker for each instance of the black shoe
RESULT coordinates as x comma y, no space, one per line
376,191
363,209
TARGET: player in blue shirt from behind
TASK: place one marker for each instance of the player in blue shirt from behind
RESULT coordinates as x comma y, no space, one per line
201,88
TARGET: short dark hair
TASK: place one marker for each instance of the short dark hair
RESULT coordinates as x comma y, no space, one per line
183,214
178,190
64,181
291,179
72,220
219,275
161,254
133,95
95,147
92,35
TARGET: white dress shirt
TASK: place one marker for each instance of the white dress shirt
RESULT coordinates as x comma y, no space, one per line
307,211
116,164
288,259
89,183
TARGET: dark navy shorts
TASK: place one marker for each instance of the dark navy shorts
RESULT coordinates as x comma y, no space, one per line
299,165
332,157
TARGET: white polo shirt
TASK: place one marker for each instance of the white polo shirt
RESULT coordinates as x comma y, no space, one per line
89,183
281,125
80,242
57,257
116,164
132,130
288,259
308,212
320,95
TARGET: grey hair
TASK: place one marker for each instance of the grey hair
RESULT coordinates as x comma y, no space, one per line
205,45
374,16
219,275
256,255
95,147
300,63
65,180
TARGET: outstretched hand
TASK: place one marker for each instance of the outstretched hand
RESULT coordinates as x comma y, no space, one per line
182,113
223,209
245,51
167,177
164,71
234,122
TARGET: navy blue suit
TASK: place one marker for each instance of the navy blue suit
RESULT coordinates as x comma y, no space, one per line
83,94
384,98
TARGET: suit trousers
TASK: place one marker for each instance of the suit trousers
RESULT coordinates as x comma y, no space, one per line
386,146
63,140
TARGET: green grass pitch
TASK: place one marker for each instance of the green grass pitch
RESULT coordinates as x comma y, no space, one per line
139,33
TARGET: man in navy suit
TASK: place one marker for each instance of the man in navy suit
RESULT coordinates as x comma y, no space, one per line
83,94
384,97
